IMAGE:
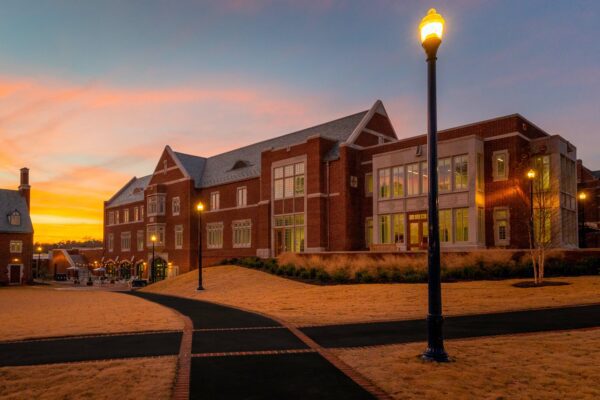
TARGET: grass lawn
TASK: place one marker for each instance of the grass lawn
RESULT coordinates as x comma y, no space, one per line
559,365
143,378
305,304
38,311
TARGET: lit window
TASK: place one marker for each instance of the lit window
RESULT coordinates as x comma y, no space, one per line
214,237
480,172
398,181
445,221
369,184
384,229
480,225
398,228
289,232
242,196
179,237
461,172
384,183
16,246
542,165
444,174
126,241
111,218
159,232
500,163
368,232
214,200
136,214
242,233
126,215
424,178
175,206
14,218
461,220
412,179
117,213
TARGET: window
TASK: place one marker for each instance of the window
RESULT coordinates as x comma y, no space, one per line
424,178
501,226
384,229
384,183
111,242
444,174
445,221
214,237
14,218
288,181
412,179
480,172
542,225
16,246
136,214
480,225
126,241
175,206
461,172
542,165
179,237
140,240
398,181
158,231
368,232
369,184
500,165
141,213
214,200
126,215
398,228
461,220
156,205
242,233
111,217
242,196
291,228
117,217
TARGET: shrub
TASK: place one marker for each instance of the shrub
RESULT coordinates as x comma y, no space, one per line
341,275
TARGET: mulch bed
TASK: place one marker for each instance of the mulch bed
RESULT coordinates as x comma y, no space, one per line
531,284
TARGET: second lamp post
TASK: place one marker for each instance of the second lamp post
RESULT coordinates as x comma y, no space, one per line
200,208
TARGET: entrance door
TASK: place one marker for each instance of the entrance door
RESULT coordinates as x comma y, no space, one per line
14,274
283,240
418,231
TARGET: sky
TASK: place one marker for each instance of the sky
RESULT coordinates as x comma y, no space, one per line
91,92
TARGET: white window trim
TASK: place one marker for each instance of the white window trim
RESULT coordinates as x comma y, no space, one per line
175,200
178,229
214,226
497,240
237,196
125,235
137,240
217,196
495,174
16,246
233,227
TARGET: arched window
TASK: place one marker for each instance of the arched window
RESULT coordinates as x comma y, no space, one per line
14,218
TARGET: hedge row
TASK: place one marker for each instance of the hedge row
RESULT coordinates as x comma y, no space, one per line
479,271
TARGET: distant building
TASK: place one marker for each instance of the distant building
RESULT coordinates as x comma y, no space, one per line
589,208
345,185
16,234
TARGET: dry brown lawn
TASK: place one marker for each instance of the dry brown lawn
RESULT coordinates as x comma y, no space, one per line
144,378
31,312
305,304
560,365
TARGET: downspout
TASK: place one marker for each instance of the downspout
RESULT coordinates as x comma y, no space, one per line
328,244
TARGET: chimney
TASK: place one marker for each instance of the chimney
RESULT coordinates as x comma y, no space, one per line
24,187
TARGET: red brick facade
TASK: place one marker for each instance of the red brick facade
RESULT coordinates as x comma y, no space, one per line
307,191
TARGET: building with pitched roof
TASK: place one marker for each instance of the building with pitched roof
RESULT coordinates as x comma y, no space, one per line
16,234
346,185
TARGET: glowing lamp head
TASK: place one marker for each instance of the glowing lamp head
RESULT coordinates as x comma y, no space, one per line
39,249
153,238
200,207
431,26
582,196
531,174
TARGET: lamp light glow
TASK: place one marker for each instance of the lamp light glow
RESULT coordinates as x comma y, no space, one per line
39,249
531,174
582,196
431,26
200,206
153,238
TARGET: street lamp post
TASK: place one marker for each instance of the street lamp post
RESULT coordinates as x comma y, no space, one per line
151,277
531,177
582,242
39,253
200,208
431,29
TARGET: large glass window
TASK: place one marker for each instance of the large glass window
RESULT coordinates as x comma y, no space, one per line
480,172
461,220
444,174
398,181
242,233
368,232
398,228
288,181
424,178
369,184
412,179
384,183
445,217
214,235
542,165
384,229
542,225
159,232
461,172
289,232
156,205
480,225
500,164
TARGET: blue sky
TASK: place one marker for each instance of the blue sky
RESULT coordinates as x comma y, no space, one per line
100,87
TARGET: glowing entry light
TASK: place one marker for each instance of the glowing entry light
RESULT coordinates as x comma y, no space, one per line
200,207
582,196
153,238
432,26
531,174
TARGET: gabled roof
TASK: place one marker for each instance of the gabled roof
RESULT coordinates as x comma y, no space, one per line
132,192
11,200
220,169
596,174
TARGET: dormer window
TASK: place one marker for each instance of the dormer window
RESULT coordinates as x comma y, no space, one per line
14,218
240,164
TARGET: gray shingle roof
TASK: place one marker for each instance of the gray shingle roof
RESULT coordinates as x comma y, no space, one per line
596,174
218,169
132,192
11,200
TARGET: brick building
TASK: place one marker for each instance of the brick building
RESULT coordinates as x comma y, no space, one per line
588,183
346,185
16,234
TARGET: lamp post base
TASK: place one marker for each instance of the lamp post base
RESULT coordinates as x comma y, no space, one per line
435,355
199,288
435,346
